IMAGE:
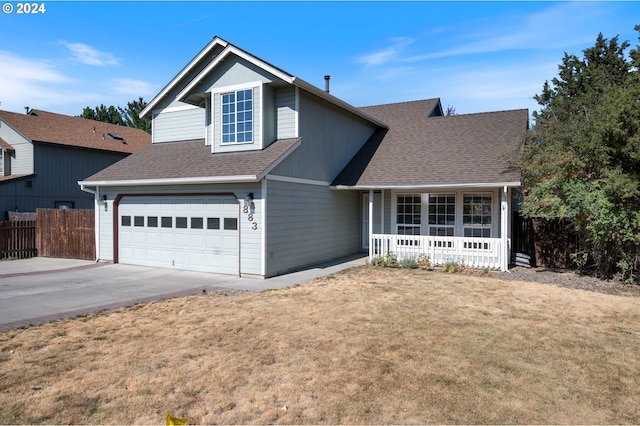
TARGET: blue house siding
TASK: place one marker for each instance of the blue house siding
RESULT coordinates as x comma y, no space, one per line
308,223
330,139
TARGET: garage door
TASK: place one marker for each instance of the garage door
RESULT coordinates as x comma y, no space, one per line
192,233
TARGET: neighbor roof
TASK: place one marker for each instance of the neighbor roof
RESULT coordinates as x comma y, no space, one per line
4,144
424,151
192,162
48,127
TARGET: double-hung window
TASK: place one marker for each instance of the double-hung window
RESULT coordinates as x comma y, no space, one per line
408,211
476,215
237,117
442,215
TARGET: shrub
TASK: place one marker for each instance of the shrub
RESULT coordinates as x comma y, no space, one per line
424,262
409,263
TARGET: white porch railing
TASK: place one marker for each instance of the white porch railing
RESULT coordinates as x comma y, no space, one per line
474,252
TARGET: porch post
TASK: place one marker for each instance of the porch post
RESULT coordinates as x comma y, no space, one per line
504,231
382,211
370,223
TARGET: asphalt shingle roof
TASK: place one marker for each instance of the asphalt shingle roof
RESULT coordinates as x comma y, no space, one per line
47,127
421,150
4,144
192,159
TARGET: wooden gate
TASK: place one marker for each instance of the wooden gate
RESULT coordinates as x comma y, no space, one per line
18,239
66,233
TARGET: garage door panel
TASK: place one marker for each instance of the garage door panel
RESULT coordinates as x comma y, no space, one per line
182,232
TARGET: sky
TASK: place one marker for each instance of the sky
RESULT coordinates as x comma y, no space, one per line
475,56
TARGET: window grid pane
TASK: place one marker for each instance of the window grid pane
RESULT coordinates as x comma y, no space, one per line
237,116
442,214
409,211
476,215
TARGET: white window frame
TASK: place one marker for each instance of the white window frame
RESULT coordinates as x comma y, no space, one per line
485,230
234,119
450,228
256,87
416,227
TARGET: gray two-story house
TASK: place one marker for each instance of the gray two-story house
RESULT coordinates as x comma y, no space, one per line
43,155
253,171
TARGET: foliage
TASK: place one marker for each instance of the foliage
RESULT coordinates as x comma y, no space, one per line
409,263
582,159
453,266
389,260
129,117
424,262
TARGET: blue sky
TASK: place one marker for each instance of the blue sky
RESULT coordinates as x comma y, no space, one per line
475,56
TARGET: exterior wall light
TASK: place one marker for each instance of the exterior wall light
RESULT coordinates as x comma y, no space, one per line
248,203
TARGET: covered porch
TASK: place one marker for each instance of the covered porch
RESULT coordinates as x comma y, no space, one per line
465,224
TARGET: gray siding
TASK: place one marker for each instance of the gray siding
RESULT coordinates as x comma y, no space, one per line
285,105
308,224
250,238
58,170
330,138
22,158
183,124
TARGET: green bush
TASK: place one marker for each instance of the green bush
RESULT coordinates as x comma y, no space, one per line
409,263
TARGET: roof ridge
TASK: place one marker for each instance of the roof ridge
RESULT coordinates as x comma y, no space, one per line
403,102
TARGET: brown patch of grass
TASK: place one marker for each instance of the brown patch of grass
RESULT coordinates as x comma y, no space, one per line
368,345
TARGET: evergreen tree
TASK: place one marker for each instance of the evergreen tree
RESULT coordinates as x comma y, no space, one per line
129,116
582,159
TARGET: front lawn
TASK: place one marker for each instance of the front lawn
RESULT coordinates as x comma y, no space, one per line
366,346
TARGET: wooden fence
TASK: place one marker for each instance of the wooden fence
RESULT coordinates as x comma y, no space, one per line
66,233
18,239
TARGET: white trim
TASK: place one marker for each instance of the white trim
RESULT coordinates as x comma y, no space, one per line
174,109
184,93
263,229
234,89
443,186
297,180
370,212
296,113
172,181
183,73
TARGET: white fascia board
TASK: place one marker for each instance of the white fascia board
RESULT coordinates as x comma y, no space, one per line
433,186
172,181
185,71
338,102
231,49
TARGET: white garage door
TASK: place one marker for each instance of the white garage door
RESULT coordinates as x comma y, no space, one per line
192,233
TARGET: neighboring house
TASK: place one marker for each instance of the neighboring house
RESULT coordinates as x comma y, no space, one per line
43,155
253,171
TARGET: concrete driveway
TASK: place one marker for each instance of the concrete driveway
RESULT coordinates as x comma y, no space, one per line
34,291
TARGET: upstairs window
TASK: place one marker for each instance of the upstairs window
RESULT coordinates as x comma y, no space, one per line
237,117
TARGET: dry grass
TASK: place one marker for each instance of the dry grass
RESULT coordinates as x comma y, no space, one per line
365,346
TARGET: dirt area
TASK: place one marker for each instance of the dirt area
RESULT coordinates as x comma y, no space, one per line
569,279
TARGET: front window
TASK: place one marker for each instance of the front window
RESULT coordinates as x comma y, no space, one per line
408,212
476,215
442,215
237,117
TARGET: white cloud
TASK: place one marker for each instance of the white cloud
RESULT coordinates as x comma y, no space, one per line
89,56
388,54
128,86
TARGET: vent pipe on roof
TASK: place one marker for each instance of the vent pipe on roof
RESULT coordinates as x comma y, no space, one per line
27,110
326,83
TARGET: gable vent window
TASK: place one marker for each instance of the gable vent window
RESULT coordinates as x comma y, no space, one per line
237,117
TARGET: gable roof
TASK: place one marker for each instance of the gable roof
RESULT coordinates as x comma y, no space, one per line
189,77
192,162
423,151
48,127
